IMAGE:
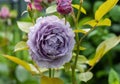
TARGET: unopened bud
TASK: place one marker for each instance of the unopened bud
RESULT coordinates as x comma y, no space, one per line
64,6
4,12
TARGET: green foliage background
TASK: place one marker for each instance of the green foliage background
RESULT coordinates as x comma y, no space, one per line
106,70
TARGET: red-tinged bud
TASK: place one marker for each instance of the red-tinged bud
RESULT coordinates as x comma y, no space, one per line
29,6
35,5
30,10
38,6
64,6
4,13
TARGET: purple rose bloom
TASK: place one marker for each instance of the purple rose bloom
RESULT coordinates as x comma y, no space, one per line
51,42
64,6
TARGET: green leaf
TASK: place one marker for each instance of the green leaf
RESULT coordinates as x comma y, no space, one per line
67,66
77,7
8,37
113,77
51,9
24,26
115,13
86,76
81,67
96,5
82,59
21,46
21,74
13,13
105,8
4,69
83,21
47,80
103,48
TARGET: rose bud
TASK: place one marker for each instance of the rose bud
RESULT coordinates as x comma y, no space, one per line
64,6
4,13
38,6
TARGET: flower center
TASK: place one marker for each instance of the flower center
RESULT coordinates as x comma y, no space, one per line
53,43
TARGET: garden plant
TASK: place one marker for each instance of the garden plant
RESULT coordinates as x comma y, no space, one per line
55,35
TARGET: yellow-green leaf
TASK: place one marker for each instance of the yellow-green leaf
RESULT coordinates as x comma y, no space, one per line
81,67
105,22
24,26
86,76
80,48
29,67
18,61
113,77
84,31
77,7
47,80
82,59
103,48
21,46
67,66
99,54
105,8
92,23
51,9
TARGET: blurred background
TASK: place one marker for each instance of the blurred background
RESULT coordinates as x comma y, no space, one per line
11,73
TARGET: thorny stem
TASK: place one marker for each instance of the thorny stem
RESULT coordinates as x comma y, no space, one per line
73,16
77,54
73,76
79,11
74,65
77,36
77,41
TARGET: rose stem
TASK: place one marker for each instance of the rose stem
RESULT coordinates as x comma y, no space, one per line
65,19
53,73
50,72
77,41
79,11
